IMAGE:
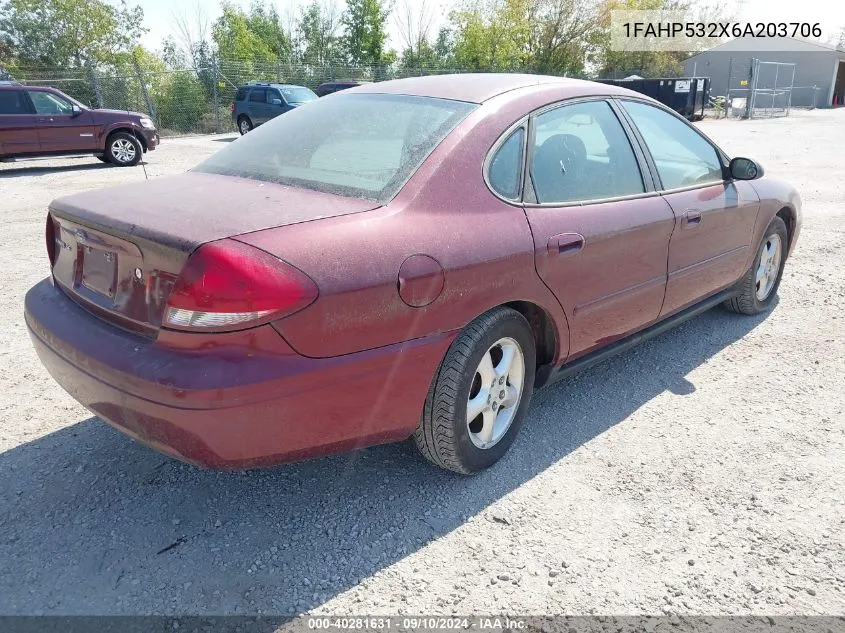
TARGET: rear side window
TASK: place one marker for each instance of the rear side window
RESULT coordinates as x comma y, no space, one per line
364,146
581,153
505,171
240,95
13,102
258,95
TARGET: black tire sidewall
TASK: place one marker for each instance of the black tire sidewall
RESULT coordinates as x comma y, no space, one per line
776,227
128,137
512,325
244,119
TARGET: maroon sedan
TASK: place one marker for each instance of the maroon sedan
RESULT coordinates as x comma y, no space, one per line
408,258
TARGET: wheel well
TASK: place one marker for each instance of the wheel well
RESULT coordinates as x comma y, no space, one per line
130,132
545,337
788,216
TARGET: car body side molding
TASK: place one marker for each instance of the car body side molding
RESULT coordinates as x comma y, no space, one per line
550,375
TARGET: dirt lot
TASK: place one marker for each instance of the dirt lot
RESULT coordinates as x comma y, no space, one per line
700,473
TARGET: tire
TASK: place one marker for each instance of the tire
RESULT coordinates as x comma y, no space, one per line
244,124
444,436
758,288
123,150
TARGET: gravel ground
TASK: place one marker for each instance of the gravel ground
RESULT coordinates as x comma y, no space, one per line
701,473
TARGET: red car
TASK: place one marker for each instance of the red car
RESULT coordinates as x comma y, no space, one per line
40,121
407,258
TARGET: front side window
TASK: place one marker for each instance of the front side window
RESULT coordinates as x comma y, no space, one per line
364,146
581,153
274,94
505,169
48,103
683,157
258,95
13,102
296,94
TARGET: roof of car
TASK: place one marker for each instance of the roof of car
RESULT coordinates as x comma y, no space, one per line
271,85
479,87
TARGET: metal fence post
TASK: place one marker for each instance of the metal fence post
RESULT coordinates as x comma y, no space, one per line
753,76
215,75
146,94
95,83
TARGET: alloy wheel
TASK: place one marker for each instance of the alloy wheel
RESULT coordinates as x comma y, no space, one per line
769,266
123,150
495,393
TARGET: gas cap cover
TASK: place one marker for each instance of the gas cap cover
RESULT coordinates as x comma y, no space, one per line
421,280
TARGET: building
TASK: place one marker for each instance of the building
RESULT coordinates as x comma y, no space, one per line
819,71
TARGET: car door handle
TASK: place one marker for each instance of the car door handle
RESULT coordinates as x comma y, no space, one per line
692,218
566,244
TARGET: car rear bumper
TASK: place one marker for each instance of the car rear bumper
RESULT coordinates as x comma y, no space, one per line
237,400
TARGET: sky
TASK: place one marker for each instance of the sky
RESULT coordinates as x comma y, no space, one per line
159,14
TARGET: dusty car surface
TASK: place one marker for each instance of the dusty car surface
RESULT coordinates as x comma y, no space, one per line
407,258
43,121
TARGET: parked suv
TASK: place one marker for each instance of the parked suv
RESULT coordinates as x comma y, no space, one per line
257,103
40,121
334,86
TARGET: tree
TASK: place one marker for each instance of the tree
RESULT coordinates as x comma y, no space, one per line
492,35
316,33
257,36
364,35
414,26
615,63
67,33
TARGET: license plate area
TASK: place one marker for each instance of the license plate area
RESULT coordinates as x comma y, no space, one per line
99,270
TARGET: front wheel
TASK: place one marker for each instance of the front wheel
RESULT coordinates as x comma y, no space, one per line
757,289
123,150
478,399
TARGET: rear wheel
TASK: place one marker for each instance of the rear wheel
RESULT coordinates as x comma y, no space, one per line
123,150
244,125
758,287
477,401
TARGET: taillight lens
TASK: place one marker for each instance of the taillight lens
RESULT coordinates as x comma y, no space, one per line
51,240
228,285
232,106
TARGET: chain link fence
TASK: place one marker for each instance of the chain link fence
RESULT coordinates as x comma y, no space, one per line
197,100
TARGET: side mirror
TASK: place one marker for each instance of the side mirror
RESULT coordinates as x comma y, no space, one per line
276,102
745,169
75,110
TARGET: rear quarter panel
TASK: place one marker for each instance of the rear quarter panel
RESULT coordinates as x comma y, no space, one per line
445,211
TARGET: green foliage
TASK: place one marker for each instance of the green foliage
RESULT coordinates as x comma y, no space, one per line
317,42
180,101
365,37
66,33
257,36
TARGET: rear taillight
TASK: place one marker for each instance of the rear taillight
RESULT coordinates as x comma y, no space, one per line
228,285
232,106
51,240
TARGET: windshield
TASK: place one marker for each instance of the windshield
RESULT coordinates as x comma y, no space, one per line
297,94
364,146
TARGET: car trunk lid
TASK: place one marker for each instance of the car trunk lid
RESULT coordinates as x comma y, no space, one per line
119,251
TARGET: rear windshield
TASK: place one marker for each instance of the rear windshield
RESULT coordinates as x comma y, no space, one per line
297,94
364,146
